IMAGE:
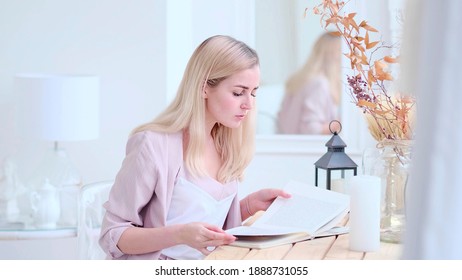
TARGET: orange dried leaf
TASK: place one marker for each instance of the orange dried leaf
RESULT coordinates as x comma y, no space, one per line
364,59
371,45
360,47
333,7
370,78
364,103
407,99
370,28
346,23
348,55
401,114
331,20
355,41
379,66
404,128
353,23
336,33
385,76
381,112
390,59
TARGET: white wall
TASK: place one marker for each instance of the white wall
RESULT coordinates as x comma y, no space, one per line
121,42
189,22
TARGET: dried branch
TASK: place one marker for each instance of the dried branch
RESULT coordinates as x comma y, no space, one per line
389,117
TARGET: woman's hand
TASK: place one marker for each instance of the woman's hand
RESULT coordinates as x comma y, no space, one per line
260,200
202,235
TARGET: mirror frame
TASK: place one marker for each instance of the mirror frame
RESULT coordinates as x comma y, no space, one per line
354,133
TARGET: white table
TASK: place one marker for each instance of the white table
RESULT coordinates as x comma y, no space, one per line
19,242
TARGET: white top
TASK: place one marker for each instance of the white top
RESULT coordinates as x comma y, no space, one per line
207,201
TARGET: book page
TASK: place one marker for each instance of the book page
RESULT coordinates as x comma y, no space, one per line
300,213
309,210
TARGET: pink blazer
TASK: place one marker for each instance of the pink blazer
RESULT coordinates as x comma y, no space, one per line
308,110
143,188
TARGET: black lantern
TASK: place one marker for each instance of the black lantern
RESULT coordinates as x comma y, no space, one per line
335,158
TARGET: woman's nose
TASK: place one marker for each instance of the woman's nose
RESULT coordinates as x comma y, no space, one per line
247,104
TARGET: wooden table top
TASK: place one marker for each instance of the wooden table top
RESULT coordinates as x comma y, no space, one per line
325,248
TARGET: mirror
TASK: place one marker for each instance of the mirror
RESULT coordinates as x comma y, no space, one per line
284,38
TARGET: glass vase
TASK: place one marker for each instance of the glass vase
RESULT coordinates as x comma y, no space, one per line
391,162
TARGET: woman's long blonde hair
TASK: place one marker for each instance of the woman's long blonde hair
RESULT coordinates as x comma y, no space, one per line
324,60
213,61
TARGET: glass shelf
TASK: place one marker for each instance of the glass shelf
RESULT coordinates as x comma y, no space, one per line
19,231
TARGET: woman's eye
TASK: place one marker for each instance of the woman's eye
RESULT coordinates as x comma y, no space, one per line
253,94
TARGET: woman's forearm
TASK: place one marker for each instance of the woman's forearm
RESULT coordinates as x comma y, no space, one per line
138,240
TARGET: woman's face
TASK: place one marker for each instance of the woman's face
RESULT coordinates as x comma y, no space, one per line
229,102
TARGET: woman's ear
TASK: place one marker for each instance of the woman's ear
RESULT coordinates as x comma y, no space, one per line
204,92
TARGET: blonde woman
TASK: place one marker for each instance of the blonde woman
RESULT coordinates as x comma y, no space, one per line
312,94
176,191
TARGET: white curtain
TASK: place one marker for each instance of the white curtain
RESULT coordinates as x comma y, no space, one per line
432,61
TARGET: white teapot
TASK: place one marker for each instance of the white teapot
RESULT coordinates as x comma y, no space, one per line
46,206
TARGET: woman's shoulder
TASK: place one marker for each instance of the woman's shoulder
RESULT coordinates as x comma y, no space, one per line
318,81
152,135
315,85
155,139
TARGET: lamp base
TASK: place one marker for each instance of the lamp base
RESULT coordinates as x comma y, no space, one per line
58,169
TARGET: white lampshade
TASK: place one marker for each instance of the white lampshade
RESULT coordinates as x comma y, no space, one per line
58,107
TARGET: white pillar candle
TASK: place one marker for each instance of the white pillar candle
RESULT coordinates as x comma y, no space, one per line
337,185
364,213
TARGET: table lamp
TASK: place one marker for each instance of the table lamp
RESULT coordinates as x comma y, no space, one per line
58,108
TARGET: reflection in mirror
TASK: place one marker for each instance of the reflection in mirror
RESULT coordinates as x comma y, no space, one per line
312,93
284,51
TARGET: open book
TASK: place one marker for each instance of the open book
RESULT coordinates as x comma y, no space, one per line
310,212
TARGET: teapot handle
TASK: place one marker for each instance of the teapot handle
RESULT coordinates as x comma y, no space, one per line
34,199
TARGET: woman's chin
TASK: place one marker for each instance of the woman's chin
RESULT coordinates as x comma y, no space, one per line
235,124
